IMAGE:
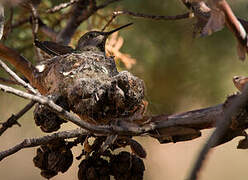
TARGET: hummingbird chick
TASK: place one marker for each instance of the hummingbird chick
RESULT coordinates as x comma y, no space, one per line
91,41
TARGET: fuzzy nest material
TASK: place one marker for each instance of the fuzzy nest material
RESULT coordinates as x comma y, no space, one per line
93,87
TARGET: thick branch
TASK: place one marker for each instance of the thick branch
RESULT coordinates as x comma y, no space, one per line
81,11
198,119
22,65
222,127
179,125
32,142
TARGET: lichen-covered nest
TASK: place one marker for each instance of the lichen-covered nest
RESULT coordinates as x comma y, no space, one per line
92,87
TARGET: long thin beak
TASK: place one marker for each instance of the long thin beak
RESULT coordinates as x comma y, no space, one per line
117,29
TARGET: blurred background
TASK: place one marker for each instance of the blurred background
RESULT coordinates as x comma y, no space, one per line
181,73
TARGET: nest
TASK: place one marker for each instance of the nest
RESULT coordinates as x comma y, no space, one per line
92,87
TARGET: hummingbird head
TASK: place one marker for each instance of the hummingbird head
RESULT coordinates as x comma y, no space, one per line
95,40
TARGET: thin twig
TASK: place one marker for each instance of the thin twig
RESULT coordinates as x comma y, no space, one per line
1,20
34,17
146,16
17,78
8,24
13,119
81,11
109,22
35,27
154,17
61,6
33,142
8,81
221,128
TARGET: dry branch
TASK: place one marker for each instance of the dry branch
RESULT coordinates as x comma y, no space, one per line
1,20
17,78
22,65
33,142
146,16
167,126
81,11
13,119
221,129
172,128
61,6
153,17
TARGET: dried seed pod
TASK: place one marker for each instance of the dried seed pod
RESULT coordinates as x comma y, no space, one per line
48,120
53,158
137,148
48,174
95,168
125,166
243,144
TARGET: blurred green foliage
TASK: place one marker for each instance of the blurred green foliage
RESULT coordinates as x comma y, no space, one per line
180,72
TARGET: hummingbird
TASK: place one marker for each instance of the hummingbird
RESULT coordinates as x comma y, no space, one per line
90,41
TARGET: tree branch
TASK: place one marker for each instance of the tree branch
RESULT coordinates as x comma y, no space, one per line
173,128
153,17
179,125
81,11
8,81
223,125
61,6
13,119
33,142
22,65
17,78
146,16
1,20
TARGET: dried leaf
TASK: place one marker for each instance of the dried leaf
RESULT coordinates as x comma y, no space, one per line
215,23
243,144
137,148
113,47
